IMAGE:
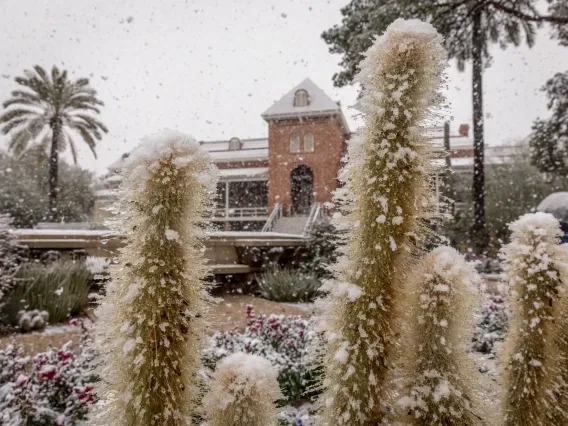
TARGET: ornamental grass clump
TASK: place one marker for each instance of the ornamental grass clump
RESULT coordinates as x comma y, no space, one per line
439,316
387,192
243,392
150,325
536,349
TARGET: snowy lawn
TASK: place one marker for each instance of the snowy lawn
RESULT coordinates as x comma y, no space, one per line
228,313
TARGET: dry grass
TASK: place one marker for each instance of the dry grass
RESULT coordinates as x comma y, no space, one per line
227,314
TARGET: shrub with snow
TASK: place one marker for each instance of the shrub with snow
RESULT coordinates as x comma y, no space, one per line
386,194
54,388
11,256
32,320
492,324
150,328
536,350
439,320
285,341
243,392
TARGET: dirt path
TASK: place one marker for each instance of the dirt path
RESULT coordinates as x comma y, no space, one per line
229,312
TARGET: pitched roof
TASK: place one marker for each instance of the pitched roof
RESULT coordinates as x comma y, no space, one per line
319,103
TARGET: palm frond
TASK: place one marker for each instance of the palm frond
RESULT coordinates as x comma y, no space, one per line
12,124
82,106
19,101
16,113
91,122
43,90
72,146
89,99
26,95
23,138
88,138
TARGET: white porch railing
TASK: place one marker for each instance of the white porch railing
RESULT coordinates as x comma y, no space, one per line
316,213
274,216
238,212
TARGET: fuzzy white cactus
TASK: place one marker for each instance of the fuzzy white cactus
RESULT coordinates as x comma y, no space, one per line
536,349
439,304
150,325
243,392
386,191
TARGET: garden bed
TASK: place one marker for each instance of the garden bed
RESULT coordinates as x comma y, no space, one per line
225,315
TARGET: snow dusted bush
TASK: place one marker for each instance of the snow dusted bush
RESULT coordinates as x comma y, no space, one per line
54,388
97,265
243,392
10,259
492,325
150,326
535,349
386,192
289,285
32,320
304,415
439,320
283,340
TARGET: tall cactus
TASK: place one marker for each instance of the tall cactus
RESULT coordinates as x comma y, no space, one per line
439,307
386,191
243,392
536,347
150,322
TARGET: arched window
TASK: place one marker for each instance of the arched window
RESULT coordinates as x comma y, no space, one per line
234,144
308,142
294,143
301,98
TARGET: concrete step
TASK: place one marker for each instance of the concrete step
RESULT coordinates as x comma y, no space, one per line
290,225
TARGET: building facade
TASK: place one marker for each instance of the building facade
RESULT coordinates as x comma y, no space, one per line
281,181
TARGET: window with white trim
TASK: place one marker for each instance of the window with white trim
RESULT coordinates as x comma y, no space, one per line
308,142
301,98
234,144
294,143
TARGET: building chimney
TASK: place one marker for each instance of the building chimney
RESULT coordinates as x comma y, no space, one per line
464,130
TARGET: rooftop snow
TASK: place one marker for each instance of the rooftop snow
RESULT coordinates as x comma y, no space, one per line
252,172
319,102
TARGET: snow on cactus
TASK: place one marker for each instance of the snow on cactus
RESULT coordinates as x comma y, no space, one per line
150,327
536,271
386,191
439,316
243,392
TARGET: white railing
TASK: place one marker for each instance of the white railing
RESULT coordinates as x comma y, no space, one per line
238,212
316,213
274,216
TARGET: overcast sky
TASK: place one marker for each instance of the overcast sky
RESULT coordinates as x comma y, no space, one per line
211,67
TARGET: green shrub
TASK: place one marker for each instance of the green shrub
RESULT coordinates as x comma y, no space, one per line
61,289
288,285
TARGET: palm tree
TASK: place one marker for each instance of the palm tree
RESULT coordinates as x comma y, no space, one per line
51,113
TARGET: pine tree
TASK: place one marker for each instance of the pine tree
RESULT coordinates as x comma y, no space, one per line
469,28
535,268
385,191
150,322
438,303
243,392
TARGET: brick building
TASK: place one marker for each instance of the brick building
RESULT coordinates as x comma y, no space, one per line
279,182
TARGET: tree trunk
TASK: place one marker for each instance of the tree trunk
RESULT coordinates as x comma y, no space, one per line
53,171
478,232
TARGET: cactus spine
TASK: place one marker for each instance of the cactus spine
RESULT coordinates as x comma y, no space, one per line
535,349
386,190
440,297
150,322
243,392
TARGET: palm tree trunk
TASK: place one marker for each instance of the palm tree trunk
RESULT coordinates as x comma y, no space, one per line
53,172
478,232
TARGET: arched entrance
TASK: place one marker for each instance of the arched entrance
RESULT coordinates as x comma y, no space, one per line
301,190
